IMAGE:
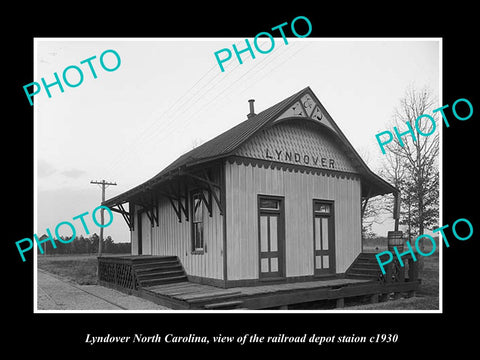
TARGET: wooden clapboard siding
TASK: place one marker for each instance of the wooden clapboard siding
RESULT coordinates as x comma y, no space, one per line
245,181
146,235
172,237
347,223
134,233
213,233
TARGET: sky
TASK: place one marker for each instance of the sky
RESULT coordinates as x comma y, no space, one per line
169,95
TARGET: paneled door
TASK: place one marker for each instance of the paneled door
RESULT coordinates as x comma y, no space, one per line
271,237
324,237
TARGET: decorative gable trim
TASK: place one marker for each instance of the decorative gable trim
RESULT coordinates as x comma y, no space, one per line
308,107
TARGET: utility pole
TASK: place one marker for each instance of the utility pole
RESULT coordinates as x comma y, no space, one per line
104,185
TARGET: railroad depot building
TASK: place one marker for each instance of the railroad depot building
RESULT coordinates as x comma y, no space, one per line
276,198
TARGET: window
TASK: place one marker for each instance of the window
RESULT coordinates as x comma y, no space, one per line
269,204
321,208
197,222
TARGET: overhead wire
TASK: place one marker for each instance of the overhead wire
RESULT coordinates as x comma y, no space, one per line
224,92
140,139
221,93
280,64
187,103
137,139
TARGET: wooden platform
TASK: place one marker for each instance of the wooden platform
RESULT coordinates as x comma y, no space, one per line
188,295
162,279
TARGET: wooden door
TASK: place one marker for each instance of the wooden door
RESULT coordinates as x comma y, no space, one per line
271,225
324,237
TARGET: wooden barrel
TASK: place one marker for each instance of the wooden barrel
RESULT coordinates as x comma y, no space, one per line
395,239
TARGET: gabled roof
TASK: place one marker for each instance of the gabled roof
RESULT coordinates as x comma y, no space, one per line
230,140
227,142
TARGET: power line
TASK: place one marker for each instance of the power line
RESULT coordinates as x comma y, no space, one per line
224,90
187,104
154,122
215,98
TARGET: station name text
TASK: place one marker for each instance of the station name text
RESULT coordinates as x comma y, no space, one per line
305,159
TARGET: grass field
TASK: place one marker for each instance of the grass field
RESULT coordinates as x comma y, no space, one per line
82,269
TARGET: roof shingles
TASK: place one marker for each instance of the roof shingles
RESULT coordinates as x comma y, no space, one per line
221,146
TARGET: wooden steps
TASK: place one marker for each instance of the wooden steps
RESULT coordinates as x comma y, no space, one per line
157,270
365,266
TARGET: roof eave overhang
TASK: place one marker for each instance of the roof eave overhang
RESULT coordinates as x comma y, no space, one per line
155,182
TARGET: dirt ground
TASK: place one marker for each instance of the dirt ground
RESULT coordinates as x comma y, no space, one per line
56,293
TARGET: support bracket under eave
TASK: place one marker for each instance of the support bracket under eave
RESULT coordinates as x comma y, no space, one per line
210,187
151,209
208,202
127,216
177,210
175,198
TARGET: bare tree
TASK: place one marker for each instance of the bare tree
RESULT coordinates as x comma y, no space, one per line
374,210
196,142
412,164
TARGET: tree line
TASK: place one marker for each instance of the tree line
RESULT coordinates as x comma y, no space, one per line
83,245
